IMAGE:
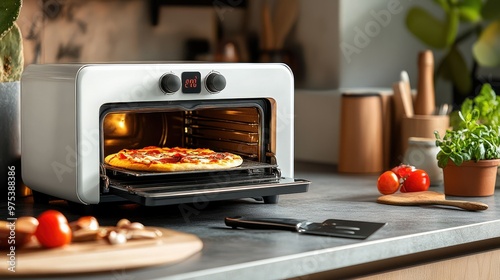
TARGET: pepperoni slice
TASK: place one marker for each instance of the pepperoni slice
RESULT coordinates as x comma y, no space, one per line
150,148
153,152
168,160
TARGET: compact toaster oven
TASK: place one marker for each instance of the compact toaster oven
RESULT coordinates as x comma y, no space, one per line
73,115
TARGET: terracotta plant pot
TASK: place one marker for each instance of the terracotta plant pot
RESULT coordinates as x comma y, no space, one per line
471,178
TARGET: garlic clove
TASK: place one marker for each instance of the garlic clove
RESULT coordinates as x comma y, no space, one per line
135,225
141,234
117,238
86,222
123,223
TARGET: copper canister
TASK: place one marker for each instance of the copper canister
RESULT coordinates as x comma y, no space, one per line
361,133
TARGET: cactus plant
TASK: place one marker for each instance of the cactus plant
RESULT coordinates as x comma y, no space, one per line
11,44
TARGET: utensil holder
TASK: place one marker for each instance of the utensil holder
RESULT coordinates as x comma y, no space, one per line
422,126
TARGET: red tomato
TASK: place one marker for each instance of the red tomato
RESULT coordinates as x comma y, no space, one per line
388,183
417,181
53,229
403,170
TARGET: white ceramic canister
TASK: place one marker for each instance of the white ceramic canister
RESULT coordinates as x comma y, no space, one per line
421,153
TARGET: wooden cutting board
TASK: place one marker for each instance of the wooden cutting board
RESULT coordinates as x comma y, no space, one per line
429,198
99,256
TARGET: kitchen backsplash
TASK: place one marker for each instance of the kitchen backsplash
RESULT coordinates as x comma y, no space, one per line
57,31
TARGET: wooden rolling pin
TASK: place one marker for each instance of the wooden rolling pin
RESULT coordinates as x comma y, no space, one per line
425,101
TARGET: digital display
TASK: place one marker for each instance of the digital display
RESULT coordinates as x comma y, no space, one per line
191,82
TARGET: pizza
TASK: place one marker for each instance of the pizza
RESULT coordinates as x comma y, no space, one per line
165,159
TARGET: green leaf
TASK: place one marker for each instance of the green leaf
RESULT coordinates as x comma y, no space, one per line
11,55
442,161
486,49
467,106
461,116
454,68
451,27
9,12
486,109
470,10
479,152
491,10
430,30
469,14
457,159
474,115
444,4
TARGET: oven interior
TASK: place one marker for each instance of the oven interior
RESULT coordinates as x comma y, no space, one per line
243,127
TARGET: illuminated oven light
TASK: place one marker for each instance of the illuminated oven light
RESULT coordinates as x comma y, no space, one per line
117,125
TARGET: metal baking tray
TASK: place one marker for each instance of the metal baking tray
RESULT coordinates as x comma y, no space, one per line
246,165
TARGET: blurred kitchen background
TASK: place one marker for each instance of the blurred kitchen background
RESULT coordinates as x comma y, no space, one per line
333,46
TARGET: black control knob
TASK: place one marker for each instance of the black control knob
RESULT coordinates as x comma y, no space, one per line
170,83
215,82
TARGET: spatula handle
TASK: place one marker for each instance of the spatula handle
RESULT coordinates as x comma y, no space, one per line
263,223
467,205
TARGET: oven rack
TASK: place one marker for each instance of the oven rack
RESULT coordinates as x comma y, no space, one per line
185,183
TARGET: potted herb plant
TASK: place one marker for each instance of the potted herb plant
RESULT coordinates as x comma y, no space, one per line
470,153
463,21
11,68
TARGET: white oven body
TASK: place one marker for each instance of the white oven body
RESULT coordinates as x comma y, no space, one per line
60,106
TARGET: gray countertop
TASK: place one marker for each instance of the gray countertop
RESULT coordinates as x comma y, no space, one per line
273,254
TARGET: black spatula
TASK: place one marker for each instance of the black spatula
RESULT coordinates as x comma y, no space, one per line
330,227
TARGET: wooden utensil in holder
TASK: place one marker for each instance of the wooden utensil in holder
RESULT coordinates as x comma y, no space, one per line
425,102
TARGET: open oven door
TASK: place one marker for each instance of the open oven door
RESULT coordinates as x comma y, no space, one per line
260,181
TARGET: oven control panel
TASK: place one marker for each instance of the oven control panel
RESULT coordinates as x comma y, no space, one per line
190,82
